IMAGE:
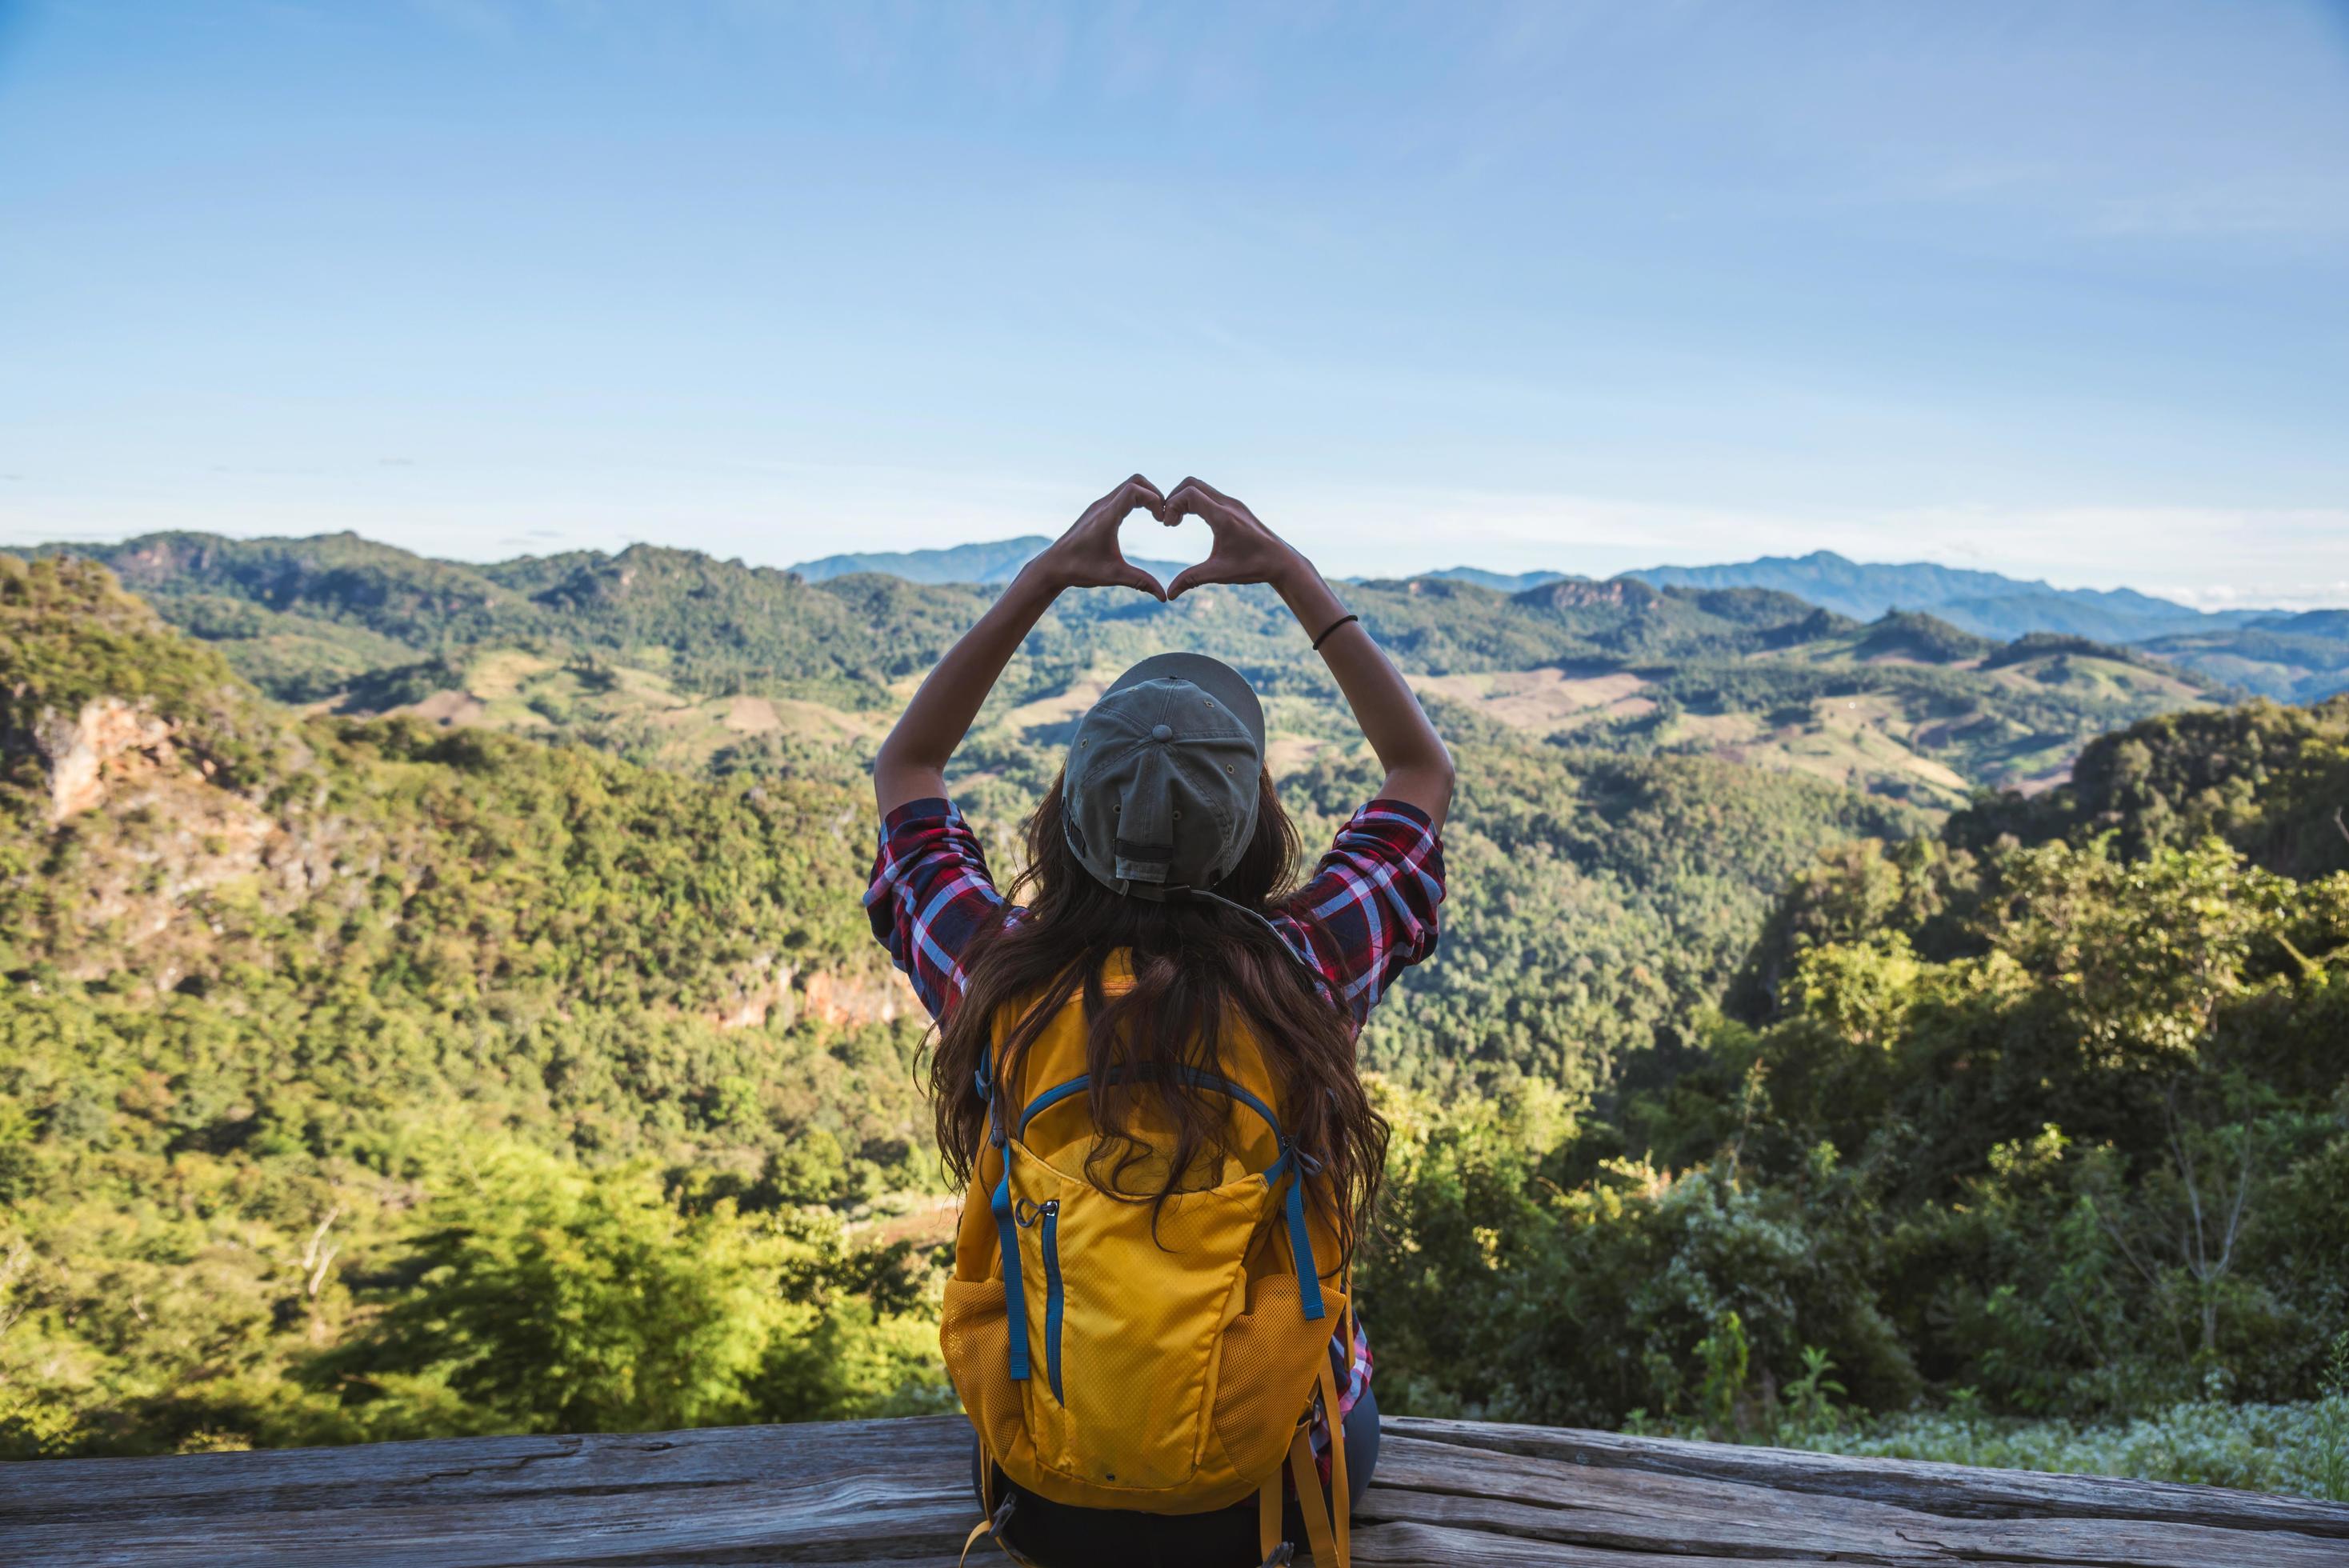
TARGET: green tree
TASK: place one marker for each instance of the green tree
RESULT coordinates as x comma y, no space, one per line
551,1299
538,1296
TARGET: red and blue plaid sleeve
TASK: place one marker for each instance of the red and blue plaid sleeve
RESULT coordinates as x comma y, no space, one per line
1352,1365
930,895
1369,911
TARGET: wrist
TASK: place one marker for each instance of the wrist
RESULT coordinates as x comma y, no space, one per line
1041,578
1308,597
1294,576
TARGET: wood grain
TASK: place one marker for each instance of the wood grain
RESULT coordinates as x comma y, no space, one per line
897,1493
1960,1491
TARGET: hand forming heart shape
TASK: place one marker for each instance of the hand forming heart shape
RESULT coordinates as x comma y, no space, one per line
1245,551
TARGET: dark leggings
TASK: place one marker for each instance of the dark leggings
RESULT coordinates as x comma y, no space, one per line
1056,1535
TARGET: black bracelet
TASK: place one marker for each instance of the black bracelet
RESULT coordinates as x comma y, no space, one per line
1332,631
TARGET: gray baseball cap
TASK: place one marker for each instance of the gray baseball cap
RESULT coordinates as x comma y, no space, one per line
1161,778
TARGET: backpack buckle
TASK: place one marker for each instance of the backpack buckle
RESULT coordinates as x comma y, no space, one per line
984,1078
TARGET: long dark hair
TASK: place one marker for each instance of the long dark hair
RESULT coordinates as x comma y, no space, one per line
1198,968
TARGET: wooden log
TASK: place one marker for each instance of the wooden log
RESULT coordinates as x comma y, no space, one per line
831,1492
898,1492
1682,1515
1410,1545
451,1470
1960,1491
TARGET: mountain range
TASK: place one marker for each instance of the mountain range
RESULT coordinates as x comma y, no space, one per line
2269,653
1988,603
672,657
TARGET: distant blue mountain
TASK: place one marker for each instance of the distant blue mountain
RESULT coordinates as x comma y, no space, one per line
997,562
1499,582
1984,602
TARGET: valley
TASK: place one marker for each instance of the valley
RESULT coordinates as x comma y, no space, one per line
416,971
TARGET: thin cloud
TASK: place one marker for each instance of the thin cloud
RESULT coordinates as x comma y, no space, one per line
2227,596
2280,205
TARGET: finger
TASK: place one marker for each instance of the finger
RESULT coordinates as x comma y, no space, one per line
1135,577
1198,577
1191,498
1136,494
1237,508
1195,482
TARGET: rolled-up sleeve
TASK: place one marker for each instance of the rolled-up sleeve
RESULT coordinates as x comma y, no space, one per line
931,894
1369,911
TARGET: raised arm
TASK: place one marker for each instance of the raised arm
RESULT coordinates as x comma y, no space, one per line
1419,767
912,763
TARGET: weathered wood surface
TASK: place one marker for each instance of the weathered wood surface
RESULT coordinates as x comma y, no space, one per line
898,1492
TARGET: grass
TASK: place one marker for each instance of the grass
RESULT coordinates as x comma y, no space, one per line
2293,1449
2297,1449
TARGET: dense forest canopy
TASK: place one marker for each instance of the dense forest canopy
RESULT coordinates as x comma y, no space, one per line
2047,1108
375,1068
278,990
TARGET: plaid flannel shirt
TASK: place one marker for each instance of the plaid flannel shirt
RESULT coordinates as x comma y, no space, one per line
1366,915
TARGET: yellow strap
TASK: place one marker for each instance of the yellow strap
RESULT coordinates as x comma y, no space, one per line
1309,1498
1341,1499
1267,1516
986,1515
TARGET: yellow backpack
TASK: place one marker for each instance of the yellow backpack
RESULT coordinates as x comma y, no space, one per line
1109,1361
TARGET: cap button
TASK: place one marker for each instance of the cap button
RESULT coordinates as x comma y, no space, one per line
1162,732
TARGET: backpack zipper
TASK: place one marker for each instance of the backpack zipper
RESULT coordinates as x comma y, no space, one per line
1049,1234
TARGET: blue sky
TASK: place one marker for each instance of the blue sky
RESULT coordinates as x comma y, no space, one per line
2055,289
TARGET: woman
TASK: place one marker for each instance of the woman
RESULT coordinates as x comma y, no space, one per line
1147,1073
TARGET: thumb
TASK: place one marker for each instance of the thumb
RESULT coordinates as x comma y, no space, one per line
1190,577
1135,577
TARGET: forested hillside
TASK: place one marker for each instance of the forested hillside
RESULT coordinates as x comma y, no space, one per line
2045,1113
374,1076
293,1011
2292,658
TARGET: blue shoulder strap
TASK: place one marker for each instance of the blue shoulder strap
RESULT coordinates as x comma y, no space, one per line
1006,1231
1296,1166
